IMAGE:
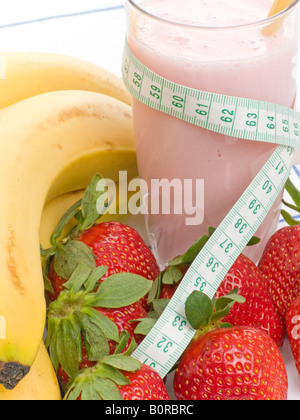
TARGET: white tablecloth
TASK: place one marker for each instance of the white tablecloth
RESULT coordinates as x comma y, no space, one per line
93,30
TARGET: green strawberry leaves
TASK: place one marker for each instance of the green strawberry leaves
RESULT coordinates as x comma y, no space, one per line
93,204
115,291
146,324
68,255
293,192
121,289
86,211
94,338
288,218
189,256
102,382
88,385
295,195
172,275
198,309
176,268
73,317
202,313
83,275
68,251
174,272
126,363
205,314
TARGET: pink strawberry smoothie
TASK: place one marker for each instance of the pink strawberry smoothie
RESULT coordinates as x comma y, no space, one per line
216,46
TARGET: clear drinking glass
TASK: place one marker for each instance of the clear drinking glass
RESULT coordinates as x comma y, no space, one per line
239,53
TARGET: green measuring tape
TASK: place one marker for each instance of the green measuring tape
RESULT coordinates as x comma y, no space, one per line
237,117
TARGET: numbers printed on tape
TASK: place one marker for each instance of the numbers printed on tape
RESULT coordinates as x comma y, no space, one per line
237,117
172,333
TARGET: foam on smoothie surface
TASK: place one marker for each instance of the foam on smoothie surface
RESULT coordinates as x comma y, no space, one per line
213,13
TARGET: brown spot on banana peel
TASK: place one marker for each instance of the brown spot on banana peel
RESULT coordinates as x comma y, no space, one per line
90,110
110,145
80,112
11,261
75,112
11,373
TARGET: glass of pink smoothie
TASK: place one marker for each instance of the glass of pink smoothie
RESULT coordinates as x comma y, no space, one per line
226,47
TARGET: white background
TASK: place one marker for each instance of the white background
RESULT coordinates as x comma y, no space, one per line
93,30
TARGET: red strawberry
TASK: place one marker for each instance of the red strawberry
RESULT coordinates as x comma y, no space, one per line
112,244
121,248
117,246
145,384
280,262
293,330
280,267
122,317
258,309
167,290
243,273
231,364
87,322
115,378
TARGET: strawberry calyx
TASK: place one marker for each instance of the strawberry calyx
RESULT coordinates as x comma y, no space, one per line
73,317
101,381
145,325
86,211
205,314
65,248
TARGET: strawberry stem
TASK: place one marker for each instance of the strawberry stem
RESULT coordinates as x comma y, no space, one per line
293,192
205,314
295,195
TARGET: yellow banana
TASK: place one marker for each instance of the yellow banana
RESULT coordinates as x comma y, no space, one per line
39,385
25,74
49,144
57,207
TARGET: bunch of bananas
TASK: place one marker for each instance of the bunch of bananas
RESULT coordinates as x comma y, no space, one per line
61,121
